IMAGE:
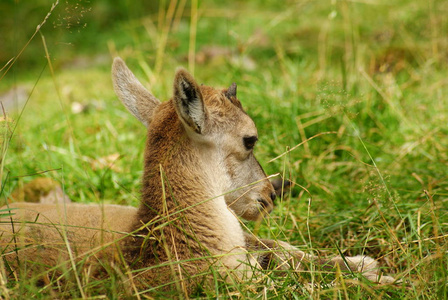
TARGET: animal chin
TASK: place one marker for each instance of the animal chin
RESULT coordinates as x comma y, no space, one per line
254,212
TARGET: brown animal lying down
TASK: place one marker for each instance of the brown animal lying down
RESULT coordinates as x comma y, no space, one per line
200,173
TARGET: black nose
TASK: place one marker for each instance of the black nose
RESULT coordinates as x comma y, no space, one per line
264,203
273,196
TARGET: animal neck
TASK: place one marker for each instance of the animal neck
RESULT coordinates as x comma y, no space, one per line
182,199
176,174
183,209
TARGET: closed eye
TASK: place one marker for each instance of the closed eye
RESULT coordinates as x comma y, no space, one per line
249,142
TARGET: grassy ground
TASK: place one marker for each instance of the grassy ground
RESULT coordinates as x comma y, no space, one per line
352,94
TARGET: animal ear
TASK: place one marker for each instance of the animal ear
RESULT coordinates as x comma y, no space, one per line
188,101
132,93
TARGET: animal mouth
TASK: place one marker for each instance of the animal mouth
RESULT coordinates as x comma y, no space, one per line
265,205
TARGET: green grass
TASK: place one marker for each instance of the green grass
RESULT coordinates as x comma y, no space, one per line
362,84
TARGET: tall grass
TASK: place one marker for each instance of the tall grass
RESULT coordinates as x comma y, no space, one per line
351,94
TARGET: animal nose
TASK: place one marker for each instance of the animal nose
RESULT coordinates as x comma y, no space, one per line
273,196
263,203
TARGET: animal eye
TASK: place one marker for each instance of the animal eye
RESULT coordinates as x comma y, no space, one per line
249,142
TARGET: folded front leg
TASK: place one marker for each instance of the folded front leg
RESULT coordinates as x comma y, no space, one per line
365,265
268,252
283,256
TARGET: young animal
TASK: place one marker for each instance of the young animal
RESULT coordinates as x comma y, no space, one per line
200,173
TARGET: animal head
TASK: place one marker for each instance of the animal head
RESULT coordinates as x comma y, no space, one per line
221,133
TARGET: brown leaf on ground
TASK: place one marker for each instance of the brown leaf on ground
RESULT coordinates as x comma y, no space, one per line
40,190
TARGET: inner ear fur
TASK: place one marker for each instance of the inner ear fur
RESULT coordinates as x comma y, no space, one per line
188,101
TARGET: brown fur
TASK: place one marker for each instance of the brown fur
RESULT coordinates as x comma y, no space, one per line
198,177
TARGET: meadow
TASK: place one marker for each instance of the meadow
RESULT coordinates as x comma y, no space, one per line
350,99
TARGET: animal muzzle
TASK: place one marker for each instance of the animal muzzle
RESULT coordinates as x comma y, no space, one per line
268,204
